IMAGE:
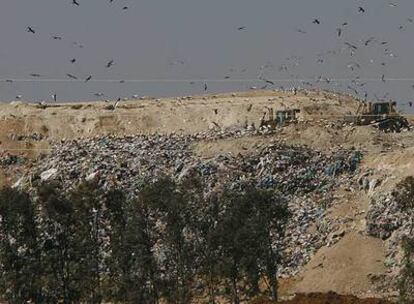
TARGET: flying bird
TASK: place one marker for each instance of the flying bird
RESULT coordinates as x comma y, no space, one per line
31,30
368,41
361,9
80,45
241,28
57,37
35,75
339,31
71,76
205,87
125,8
110,63
88,78
351,46
353,65
383,78
268,81
316,21
73,60
75,2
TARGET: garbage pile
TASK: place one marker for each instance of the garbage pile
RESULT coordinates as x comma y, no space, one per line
11,160
304,176
389,220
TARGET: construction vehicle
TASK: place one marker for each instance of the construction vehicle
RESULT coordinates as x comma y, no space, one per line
383,115
282,118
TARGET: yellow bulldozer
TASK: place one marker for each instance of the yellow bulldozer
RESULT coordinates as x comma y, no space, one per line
383,115
282,118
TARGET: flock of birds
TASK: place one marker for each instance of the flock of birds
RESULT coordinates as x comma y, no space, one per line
356,85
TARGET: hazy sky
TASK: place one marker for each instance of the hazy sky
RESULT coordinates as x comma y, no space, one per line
194,40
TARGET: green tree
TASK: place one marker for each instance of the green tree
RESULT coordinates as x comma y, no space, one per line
250,222
133,274
170,206
20,267
61,253
204,220
88,205
270,215
72,225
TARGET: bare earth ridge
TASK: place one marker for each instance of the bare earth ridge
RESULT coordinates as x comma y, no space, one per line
354,265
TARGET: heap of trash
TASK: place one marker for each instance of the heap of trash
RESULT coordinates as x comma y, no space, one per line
305,177
390,220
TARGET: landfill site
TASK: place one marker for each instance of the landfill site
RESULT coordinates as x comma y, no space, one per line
339,173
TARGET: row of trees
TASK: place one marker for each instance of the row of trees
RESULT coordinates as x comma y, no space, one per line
171,242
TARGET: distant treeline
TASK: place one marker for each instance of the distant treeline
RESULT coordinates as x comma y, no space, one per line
170,243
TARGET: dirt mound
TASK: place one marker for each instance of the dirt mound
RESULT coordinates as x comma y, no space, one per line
345,267
31,130
328,298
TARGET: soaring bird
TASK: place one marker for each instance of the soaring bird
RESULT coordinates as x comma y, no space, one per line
353,65
361,9
35,75
31,30
88,78
57,37
205,87
316,21
339,31
73,60
383,78
71,76
369,41
110,63
75,2
268,81
241,28
351,46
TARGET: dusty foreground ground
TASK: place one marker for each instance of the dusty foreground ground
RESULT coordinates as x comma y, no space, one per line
328,298
351,266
